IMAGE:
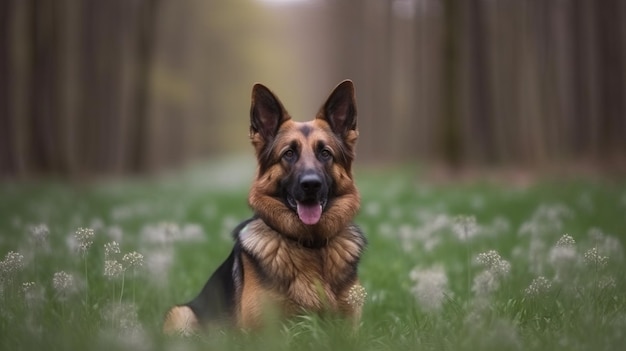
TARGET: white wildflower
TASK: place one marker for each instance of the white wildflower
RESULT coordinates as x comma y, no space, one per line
33,294
496,268
13,262
356,295
111,250
607,245
132,259
465,227
494,263
84,239
538,286
112,269
39,234
566,241
27,286
431,287
485,283
594,259
64,284
606,282
563,258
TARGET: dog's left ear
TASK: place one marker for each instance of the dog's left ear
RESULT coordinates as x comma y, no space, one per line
339,110
266,113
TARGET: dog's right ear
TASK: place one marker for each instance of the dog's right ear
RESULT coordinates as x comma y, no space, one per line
266,113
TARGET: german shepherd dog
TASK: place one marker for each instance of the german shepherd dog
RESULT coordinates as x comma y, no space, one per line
299,252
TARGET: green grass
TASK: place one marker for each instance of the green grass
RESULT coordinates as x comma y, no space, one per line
181,225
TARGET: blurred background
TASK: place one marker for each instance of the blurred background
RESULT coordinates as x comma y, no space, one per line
117,87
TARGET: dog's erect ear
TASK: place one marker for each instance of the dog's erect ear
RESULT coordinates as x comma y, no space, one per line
266,113
339,110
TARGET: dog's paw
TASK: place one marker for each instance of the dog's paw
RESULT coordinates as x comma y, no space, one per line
180,320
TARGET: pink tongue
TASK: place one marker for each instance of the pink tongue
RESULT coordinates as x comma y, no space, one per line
309,214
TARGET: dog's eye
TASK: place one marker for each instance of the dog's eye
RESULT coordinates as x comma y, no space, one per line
289,155
325,155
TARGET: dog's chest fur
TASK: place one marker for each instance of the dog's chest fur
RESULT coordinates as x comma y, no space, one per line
302,277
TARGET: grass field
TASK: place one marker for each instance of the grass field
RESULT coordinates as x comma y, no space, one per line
455,267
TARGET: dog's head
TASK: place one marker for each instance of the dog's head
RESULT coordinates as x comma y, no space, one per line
304,180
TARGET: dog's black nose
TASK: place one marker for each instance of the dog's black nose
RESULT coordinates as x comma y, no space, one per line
310,183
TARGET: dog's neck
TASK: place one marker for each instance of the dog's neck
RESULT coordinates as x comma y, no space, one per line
283,258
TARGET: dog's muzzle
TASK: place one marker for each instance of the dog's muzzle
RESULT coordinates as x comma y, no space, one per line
309,198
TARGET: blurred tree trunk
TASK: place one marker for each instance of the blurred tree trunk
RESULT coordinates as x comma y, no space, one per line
480,114
582,82
145,58
450,128
612,112
7,158
75,80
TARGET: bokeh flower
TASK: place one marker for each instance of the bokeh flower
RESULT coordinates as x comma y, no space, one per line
564,258
111,250
39,234
431,287
356,295
64,284
12,264
494,263
132,259
84,238
538,286
112,269
595,259
465,227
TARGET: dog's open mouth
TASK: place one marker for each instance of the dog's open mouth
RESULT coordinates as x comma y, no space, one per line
309,212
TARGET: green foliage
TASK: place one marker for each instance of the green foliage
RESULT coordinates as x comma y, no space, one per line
448,267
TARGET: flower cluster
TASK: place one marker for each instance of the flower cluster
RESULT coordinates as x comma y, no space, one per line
111,250
563,257
538,286
13,262
431,287
595,259
39,233
357,295
112,269
133,259
465,227
566,241
84,237
496,269
33,293
64,284
494,263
